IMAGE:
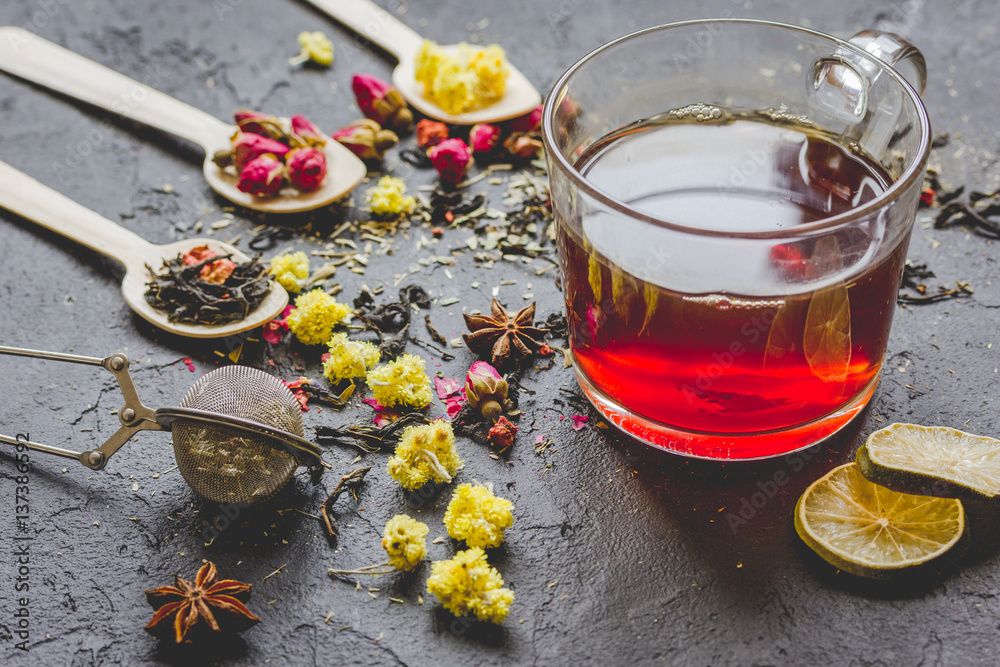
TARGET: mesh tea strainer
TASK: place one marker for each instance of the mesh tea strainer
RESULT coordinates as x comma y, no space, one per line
238,433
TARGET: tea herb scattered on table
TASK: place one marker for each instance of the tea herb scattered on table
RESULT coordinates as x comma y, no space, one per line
477,516
401,383
190,609
201,287
348,359
405,542
424,454
370,439
315,316
350,482
467,585
506,340
291,270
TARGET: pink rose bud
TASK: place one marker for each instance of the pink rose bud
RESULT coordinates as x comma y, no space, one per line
381,102
523,145
241,115
248,146
484,137
366,139
263,176
451,158
529,122
306,168
256,122
306,129
430,132
485,390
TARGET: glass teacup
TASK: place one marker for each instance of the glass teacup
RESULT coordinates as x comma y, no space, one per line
734,201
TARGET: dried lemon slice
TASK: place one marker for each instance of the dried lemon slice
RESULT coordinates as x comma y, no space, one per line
872,531
932,461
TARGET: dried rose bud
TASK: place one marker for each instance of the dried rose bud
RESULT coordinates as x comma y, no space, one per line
244,115
306,168
502,434
452,159
223,158
263,176
484,137
307,130
366,139
198,255
256,122
523,145
430,132
529,122
217,272
381,102
485,390
247,147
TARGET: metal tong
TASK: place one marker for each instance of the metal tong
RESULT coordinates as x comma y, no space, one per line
135,416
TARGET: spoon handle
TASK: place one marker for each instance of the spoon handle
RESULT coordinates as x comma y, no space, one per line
30,57
375,24
23,195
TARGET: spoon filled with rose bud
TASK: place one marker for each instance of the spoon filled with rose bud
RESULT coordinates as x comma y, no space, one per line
218,265
310,172
500,91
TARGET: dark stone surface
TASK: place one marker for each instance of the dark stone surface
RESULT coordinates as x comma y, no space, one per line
618,555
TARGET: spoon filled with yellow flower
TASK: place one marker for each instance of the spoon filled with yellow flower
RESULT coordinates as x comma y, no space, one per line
461,84
34,59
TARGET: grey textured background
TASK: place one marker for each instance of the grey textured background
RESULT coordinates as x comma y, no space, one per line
648,569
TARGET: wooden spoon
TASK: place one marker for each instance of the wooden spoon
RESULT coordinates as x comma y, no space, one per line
29,199
377,25
30,57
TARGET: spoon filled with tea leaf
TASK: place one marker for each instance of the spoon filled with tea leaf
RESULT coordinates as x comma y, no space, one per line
241,302
41,62
379,26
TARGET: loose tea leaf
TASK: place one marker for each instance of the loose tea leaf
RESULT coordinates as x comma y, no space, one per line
185,295
349,482
981,213
369,439
434,333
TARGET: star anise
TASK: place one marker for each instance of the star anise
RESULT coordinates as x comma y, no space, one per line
218,604
506,339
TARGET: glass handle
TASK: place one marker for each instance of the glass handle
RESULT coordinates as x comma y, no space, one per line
839,84
895,51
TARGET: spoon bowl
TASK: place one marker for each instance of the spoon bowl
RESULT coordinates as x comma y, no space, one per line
344,172
33,201
374,23
39,61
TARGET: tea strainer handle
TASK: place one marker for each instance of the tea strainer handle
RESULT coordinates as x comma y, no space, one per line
134,415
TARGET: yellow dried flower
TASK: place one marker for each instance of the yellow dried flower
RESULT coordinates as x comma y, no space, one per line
402,382
404,539
315,315
477,516
474,77
291,270
349,359
425,453
466,584
388,199
316,47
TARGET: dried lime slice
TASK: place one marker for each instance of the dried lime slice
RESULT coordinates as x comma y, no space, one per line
932,461
826,340
872,531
